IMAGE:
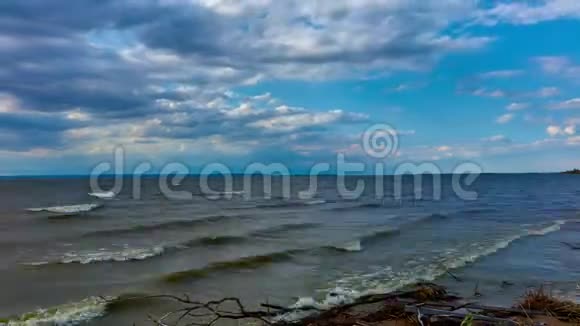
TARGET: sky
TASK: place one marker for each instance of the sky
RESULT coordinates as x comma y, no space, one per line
288,81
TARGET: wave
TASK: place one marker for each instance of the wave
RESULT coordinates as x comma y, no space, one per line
314,202
66,314
380,235
135,254
237,239
71,209
358,206
479,211
350,288
103,195
278,229
351,246
213,241
249,262
89,257
173,224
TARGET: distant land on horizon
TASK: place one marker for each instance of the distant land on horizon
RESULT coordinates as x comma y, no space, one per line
573,171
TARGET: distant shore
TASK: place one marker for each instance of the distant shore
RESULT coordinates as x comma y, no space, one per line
574,171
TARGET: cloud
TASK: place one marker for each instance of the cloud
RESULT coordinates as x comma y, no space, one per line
525,13
92,73
443,148
558,65
406,87
500,74
516,106
570,104
497,139
555,130
548,92
505,118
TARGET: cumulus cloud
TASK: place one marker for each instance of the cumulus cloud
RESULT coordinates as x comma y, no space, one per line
555,130
505,118
153,71
83,75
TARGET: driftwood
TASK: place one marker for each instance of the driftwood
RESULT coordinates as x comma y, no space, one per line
426,304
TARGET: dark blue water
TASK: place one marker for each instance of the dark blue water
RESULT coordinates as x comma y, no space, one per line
280,250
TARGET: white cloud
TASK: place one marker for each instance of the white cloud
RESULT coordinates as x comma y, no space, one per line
8,103
523,13
497,93
555,130
262,97
78,115
501,74
516,106
505,118
558,65
573,103
497,139
548,92
443,148
294,122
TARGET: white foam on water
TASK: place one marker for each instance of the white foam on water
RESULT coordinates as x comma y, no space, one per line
103,195
71,209
316,202
549,229
64,315
351,246
104,255
127,254
338,296
373,283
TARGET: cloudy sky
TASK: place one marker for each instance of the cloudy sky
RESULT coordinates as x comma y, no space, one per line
289,81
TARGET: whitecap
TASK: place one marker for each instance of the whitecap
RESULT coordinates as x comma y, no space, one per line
103,255
351,246
72,209
387,280
549,229
315,202
67,314
103,195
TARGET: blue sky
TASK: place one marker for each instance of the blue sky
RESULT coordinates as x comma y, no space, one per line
236,82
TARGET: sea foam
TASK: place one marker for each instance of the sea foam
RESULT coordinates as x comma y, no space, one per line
71,209
67,314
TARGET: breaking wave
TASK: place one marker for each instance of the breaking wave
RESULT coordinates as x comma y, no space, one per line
89,257
103,195
67,314
351,246
71,209
349,288
135,254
